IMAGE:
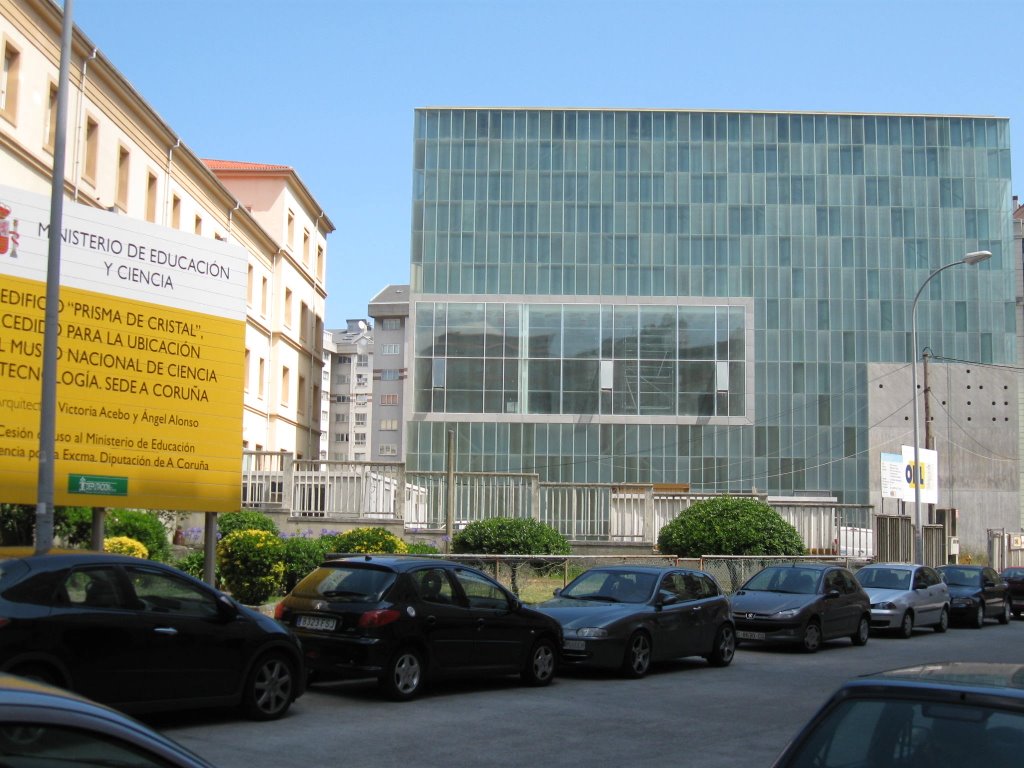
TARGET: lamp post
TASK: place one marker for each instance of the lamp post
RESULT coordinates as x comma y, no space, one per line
975,257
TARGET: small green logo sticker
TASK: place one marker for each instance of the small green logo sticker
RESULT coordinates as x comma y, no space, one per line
94,485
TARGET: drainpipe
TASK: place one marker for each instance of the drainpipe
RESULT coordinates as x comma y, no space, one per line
81,99
167,180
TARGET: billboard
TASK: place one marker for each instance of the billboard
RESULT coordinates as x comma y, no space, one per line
928,472
150,360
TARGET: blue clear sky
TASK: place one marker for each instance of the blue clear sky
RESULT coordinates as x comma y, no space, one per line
329,86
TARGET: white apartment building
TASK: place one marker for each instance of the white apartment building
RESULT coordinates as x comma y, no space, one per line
348,355
123,157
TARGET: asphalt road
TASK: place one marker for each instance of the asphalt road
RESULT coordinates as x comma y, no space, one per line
684,713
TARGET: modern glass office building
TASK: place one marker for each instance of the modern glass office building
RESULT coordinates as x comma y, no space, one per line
645,296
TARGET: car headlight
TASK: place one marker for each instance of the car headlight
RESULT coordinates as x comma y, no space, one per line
787,614
884,606
591,632
963,601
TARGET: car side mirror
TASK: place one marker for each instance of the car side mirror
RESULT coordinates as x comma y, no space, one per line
557,592
832,594
988,584
226,608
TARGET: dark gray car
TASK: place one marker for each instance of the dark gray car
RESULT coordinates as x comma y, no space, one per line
626,617
802,603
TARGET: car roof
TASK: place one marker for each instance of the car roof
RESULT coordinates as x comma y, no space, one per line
892,566
811,566
397,563
979,677
653,569
54,560
961,567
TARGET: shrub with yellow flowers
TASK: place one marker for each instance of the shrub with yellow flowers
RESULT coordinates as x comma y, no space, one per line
125,545
251,565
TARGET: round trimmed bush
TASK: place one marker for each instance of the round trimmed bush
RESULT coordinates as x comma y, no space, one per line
509,536
729,525
123,545
252,565
372,541
244,520
145,527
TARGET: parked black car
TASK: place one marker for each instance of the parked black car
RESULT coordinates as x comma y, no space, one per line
1014,578
626,617
142,636
403,620
802,603
976,593
930,716
45,726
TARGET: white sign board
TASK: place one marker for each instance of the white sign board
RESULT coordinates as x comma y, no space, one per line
893,481
928,473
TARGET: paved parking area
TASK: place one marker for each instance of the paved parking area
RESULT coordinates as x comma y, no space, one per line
684,713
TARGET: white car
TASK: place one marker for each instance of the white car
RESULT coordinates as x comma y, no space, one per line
904,596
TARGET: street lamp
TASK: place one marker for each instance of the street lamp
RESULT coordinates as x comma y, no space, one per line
975,257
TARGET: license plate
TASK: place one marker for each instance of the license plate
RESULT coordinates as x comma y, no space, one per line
574,645
316,622
741,635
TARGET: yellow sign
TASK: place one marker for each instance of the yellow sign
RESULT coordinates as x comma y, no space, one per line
149,390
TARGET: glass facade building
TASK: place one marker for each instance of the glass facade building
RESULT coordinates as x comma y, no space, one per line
633,296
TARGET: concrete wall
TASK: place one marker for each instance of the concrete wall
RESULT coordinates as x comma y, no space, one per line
974,427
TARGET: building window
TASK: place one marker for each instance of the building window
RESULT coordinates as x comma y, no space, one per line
389,349
360,399
121,193
92,149
51,119
391,324
305,247
263,298
176,219
341,378
301,399
320,263
248,286
246,373
388,449
362,361
303,322
259,384
340,417
199,225
151,198
360,419
285,384
291,231
360,438
362,380
389,399
341,437
9,82
389,425
288,307
389,374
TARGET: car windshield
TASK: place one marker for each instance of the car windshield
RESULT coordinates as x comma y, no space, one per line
884,578
880,732
797,581
961,577
346,583
1013,573
611,586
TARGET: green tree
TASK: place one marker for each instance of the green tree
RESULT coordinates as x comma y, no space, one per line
252,565
729,525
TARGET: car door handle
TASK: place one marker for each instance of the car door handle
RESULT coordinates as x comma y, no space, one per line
166,631
480,623
696,608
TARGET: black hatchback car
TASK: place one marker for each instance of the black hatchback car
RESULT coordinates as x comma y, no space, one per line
403,620
976,593
142,636
802,603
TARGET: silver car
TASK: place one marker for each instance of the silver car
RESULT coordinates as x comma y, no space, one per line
905,596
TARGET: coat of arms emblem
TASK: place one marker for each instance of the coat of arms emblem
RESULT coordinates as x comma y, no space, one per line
8,232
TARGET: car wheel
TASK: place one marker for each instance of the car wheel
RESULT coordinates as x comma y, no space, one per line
860,637
811,641
40,673
943,624
540,667
637,659
1004,617
907,625
403,677
725,647
979,617
270,688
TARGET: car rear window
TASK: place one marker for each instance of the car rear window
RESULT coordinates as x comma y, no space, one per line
884,578
885,732
346,583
